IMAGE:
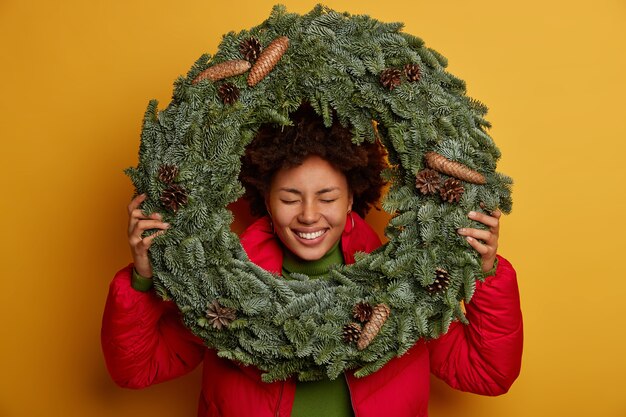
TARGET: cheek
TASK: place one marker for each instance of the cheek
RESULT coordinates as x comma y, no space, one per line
337,217
281,215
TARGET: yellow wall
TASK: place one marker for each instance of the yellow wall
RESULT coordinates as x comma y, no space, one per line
75,77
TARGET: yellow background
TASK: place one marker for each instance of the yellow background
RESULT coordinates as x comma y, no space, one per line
75,77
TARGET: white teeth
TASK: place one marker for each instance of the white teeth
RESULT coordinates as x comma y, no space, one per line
310,236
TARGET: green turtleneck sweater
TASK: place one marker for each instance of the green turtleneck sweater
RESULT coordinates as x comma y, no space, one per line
318,398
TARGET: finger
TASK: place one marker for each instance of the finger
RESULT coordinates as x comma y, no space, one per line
147,241
496,214
143,225
484,219
135,202
484,235
138,215
481,248
138,242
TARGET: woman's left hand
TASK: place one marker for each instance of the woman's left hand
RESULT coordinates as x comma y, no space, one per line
484,241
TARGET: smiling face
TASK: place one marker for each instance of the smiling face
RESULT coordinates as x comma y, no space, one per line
308,205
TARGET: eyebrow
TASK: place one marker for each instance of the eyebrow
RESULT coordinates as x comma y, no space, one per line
322,191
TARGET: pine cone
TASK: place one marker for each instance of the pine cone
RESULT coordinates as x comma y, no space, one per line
267,60
219,316
173,197
351,332
250,49
167,173
362,311
380,313
442,280
428,181
451,190
454,169
390,78
412,72
228,92
223,70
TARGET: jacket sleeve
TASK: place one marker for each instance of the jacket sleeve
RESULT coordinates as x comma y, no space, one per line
143,338
485,356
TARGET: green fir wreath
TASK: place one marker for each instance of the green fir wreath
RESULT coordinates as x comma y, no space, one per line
386,85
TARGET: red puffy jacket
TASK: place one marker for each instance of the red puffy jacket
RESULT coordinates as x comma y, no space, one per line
145,342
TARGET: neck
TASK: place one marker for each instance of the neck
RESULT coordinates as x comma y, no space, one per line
315,269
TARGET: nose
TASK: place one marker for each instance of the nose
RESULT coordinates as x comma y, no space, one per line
309,213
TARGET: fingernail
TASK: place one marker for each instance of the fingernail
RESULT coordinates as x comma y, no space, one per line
472,214
469,239
166,225
461,231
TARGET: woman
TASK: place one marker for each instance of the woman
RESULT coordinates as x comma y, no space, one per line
312,187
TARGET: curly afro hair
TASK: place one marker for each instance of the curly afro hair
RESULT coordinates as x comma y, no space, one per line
276,147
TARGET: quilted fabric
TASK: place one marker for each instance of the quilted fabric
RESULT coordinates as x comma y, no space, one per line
144,342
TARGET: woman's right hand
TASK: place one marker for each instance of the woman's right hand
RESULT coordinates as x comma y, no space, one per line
139,222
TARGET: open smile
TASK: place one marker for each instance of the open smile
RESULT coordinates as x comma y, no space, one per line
310,235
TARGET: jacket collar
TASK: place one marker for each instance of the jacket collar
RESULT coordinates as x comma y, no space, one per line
264,249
